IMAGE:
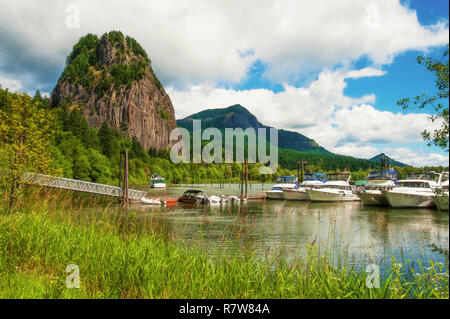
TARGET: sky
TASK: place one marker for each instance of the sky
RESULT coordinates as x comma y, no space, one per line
331,70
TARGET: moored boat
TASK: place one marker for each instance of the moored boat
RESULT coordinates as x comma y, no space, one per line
415,191
192,196
283,182
312,180
377,182
337,189
157,181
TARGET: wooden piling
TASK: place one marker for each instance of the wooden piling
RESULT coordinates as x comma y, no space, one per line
120,176
246,177
242,181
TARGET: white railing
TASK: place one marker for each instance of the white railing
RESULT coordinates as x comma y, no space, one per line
81,186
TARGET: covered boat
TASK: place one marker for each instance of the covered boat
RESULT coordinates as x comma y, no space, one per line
283,182
312,180
157,181
192,196
337,189
377,182
415,191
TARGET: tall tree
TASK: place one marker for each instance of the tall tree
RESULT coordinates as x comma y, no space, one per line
438,101
25,137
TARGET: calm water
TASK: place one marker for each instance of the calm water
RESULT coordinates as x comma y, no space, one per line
358,234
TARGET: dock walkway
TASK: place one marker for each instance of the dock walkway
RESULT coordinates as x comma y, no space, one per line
81,186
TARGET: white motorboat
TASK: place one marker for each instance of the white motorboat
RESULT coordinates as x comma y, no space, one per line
442,195
283,182
312,180
337,189
415,191
377,182
156,181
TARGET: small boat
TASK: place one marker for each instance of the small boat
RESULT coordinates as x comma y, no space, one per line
213,199
192,196
415,191
283,182
312,180
337,189
170,202
156,181
377,182
151,201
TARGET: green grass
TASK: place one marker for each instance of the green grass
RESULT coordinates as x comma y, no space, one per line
121,256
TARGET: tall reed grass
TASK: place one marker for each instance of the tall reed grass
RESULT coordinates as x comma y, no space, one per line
123,255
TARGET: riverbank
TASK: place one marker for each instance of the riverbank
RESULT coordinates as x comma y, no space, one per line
121,257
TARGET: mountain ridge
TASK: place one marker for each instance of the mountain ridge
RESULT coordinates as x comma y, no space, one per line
238,116
391,162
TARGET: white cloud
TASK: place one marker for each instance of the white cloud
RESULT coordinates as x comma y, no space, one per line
11,84
342,124
418,158
291,108
202,41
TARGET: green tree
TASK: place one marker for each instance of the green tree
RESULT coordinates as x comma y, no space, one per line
26,133
438,101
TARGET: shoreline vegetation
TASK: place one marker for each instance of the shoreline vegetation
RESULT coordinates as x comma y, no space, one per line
121,256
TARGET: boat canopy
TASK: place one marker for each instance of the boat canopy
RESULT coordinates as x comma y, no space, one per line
383,175
192,192
316,177
156,177
286,179
430,176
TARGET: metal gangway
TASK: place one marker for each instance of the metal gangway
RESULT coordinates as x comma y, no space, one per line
81,186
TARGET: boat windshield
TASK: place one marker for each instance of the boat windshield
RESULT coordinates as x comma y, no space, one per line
382,175
286,180
192,192
426,176
414,184
315,177
339,177
343,187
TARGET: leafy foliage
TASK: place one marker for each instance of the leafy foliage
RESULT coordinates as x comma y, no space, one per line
439,101
26,132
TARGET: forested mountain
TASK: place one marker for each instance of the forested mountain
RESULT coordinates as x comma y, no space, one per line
110,79
238,116
293,146
391,162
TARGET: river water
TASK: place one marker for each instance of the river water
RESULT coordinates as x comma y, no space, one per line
345,231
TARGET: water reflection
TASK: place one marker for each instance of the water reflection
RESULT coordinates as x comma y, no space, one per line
348,230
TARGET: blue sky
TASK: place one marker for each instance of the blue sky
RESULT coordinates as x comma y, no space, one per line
331,70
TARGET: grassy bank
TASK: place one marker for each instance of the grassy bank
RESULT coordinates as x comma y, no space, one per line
121,256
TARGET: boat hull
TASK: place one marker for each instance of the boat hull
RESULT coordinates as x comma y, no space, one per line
275,194
398,200
158,185
373,199
295,195
441,201
189,200
319,195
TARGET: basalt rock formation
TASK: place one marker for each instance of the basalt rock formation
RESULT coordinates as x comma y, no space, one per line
111,79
